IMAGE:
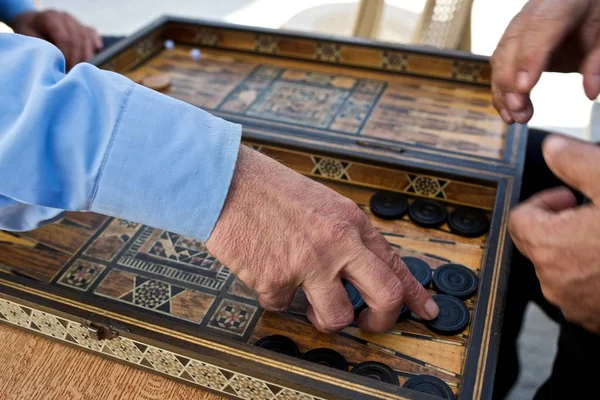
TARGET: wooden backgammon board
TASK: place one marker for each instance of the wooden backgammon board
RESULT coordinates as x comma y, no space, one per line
364,118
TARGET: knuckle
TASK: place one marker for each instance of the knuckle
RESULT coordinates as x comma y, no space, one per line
341,321
393,294
550,295
412,289
540,257
351,211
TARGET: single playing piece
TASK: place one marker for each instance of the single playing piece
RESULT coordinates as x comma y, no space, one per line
388,205
427,213
453,317
355,298
327,357
280,344
468,222
430,385
404,314
419,269
157,82
455,280
169,44
376,370
195,54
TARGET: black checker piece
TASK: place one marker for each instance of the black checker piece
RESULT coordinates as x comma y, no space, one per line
419,269
404,314
430,385
453,317
355,298
427,213
455,280
468,222
280,344
388,205
327,357
378,371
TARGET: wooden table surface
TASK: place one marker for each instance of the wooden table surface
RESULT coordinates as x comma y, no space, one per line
33,368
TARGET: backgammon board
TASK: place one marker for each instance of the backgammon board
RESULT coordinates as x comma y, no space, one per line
361,117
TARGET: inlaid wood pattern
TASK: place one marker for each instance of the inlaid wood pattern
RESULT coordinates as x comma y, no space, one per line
165,274
334,101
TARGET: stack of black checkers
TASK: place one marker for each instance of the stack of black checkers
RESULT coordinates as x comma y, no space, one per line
429,213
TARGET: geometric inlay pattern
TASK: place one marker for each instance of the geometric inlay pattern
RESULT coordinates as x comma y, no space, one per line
427,186
328,52
49,324
176,257
164,361
248,388
266,44
206,375
465,71
81,274
232,316
330,168
288,394
14,314
298,103
394,61
196,372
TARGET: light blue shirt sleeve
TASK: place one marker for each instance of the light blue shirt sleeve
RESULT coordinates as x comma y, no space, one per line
92,140
9,9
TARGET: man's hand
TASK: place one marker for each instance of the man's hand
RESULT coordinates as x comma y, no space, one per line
77,42
279,231
547,35
561,239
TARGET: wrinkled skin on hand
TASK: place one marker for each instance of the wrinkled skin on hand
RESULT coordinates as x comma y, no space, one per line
77,42
560,237
280,231
547,35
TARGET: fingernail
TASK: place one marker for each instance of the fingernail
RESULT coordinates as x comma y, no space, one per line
553,145
506,116
520,117
514,102
431,309
523,80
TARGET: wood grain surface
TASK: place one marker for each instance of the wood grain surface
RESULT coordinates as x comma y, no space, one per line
35,368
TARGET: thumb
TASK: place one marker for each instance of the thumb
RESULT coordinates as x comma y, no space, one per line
575,162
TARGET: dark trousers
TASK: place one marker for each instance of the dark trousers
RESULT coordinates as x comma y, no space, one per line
571,377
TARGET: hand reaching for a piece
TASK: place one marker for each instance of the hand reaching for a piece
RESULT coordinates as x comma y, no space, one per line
279,231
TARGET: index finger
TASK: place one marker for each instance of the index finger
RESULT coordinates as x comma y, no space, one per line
416,298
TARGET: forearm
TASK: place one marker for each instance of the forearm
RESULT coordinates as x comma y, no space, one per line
9,9
93,140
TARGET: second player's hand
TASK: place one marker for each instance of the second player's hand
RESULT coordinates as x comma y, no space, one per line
77,42
279,231
547,35
560,238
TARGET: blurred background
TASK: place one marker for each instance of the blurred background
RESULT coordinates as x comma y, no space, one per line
470,25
